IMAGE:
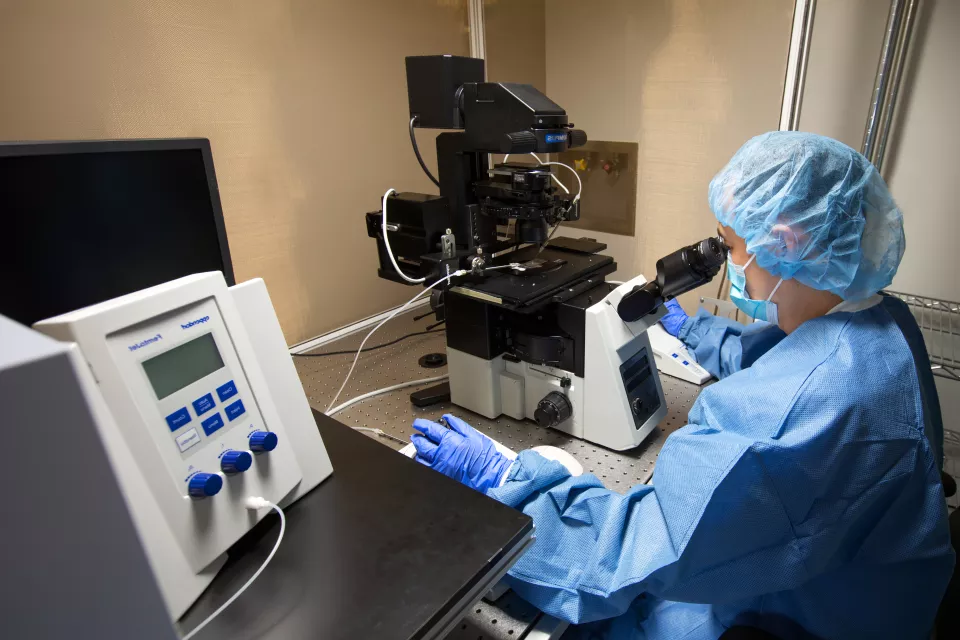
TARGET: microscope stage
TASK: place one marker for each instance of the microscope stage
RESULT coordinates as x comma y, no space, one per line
506,289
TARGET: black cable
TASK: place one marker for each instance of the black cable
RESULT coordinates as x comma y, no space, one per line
423,315
416,150
379,346
723,278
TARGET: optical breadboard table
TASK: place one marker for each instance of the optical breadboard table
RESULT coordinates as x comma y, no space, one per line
509,617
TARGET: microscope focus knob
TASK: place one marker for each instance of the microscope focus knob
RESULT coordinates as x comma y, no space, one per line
636,405
263,441
204,485
235,461
553,409
578,138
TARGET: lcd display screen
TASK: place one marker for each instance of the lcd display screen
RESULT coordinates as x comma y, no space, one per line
183,365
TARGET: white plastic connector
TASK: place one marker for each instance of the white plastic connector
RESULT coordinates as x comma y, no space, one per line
256,502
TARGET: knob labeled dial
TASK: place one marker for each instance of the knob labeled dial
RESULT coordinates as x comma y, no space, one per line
553,409
262,441
204,485
235,461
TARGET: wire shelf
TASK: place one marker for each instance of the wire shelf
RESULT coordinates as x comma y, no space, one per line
939,321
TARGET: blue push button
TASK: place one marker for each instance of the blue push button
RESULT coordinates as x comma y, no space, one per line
686,363
204,404
212,423
234,410
178,418
227,390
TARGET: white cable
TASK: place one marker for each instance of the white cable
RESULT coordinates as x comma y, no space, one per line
386,242
383,322
252,503
562,186
371,394
561,164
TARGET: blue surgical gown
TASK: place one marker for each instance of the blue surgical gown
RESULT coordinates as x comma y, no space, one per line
803,498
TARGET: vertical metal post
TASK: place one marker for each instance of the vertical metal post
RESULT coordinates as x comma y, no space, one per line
800,36
478,30
896,76
880,85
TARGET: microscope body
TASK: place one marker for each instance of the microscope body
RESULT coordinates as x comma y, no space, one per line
533,330
597,380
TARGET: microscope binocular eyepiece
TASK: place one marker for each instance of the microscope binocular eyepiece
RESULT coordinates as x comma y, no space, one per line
681,271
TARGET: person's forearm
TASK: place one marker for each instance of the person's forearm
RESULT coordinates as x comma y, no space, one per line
723,346
714,342
569,572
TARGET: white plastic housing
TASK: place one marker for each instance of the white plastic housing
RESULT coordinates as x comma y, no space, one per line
185,537
602,404
673,358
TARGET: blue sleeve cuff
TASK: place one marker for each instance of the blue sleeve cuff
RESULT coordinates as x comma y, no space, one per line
529,473
695,327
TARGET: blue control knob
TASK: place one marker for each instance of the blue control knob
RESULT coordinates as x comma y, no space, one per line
204,485
261,441
235,461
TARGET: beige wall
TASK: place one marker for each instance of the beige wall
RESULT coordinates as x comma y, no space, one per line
923,168
689,80
516,41
304,103
844,50
921,164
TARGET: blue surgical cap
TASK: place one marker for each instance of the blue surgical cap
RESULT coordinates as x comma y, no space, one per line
813,209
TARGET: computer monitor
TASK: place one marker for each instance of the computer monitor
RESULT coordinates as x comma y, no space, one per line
83,222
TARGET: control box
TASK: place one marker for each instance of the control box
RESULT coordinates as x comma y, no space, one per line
673,358
195,415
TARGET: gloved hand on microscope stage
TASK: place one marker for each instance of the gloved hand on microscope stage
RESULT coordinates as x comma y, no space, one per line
460,452
676,316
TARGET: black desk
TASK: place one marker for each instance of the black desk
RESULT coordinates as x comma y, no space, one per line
384,548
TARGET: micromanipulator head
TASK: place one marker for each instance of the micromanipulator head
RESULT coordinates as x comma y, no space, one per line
449,92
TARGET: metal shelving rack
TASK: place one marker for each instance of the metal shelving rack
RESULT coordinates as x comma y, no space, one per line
939,320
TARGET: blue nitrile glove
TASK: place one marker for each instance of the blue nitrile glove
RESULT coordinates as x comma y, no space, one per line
460,452
676,316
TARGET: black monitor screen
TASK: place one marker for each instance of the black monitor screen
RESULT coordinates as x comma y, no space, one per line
85,222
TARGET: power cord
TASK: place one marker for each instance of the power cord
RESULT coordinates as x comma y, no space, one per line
252,503
416,150
374,348
379,392
383,322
